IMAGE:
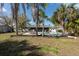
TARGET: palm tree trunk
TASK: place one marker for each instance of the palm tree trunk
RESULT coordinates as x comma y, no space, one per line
63,27
16,16
37,20
43,30
36,27
16,25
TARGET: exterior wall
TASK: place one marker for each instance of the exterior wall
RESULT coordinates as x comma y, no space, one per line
5,29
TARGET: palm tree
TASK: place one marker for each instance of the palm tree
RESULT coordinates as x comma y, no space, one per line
65,16
15,9
42,16
73,16
59,16
35,13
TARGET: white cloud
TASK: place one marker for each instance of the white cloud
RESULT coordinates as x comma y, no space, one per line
67,4
3,10
77,6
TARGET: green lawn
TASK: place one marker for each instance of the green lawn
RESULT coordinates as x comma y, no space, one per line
5,36
29,45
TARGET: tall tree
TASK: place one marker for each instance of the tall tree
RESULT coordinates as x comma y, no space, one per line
72,16
43,17
66,16
15,9
35,12
59,16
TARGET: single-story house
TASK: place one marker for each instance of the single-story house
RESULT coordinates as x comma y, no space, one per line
39,28
4,27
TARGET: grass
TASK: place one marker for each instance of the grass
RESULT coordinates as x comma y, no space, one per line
37,45
5,36
49,49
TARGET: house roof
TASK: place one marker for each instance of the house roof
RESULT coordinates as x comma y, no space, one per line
33,27
38,26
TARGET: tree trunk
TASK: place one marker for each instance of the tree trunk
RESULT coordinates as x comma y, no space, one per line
16,16
75,30
16,25
43,30
63,27
36,28
37,6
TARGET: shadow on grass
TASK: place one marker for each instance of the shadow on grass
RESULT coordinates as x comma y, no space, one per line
15,48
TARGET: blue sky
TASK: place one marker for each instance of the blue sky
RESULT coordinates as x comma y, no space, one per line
49,11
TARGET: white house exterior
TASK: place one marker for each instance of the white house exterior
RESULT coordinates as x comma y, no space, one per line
4,27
